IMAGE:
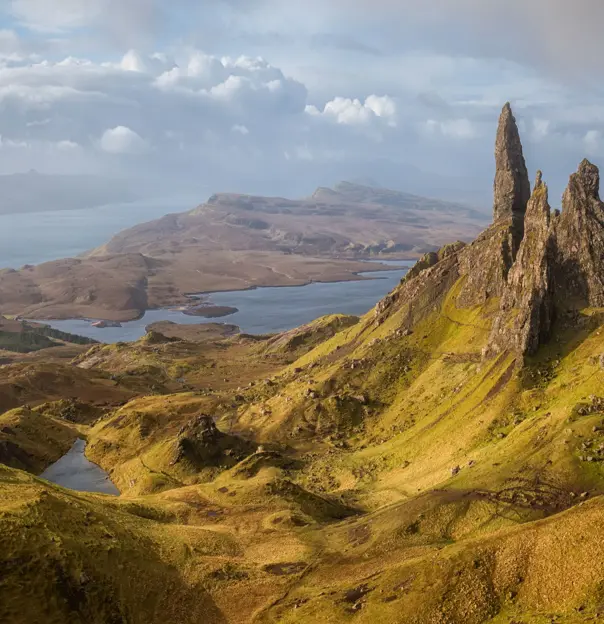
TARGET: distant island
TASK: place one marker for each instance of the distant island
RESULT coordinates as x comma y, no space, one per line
236,242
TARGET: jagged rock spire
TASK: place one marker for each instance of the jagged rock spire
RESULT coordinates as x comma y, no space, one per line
527,306
580,237
512,187
487,262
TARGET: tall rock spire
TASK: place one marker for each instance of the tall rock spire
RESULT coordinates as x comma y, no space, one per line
527,307
512,186
487,262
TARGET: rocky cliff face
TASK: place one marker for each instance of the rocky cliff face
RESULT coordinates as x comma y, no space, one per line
539,265
560,265
527,305
580,241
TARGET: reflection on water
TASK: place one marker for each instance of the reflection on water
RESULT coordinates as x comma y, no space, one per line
75,472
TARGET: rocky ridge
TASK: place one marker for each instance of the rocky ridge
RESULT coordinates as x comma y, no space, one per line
531,265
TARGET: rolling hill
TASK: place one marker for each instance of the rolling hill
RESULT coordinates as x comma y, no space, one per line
437,461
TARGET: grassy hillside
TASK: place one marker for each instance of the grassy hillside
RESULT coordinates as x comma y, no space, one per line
402,478
438,461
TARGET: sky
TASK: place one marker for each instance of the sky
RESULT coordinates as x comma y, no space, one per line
279,97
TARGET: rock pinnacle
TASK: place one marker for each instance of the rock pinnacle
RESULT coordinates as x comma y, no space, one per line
512,186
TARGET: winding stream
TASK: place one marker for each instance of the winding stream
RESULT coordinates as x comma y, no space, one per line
75,472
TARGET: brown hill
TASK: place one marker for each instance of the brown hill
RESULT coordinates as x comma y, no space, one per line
234,242
349,221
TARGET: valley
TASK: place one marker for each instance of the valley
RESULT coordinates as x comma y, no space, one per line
436,460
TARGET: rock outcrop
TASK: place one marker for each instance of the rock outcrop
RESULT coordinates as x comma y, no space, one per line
540,265
485,264
580,240
527,306
512,187
487,261
201,444
559,268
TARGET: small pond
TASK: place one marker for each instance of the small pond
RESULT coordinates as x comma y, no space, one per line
75,472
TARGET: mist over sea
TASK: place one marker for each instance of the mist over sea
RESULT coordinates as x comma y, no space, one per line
36,237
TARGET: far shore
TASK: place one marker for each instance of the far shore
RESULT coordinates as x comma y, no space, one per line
192,301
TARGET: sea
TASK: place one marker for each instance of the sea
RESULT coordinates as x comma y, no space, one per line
37,237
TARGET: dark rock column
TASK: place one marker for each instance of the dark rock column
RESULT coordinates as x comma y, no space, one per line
580,239
527,306
487,261
512,188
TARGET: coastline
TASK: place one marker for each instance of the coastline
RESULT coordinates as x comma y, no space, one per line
275,310
192,299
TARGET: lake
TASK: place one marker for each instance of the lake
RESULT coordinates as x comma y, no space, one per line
36,237
262,310
75,472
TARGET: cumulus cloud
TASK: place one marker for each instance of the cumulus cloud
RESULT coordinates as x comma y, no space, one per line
352,112
122,140
361,88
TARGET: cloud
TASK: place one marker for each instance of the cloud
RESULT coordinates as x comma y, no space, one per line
353,112
240,129
127,23
56,16
541,128
592,141
557,35
347,88
122,140
452,128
